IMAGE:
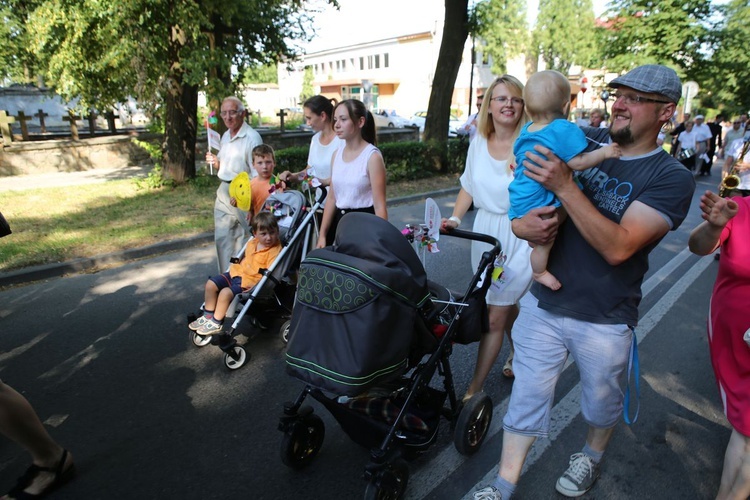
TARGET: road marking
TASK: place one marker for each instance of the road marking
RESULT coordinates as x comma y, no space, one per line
447,461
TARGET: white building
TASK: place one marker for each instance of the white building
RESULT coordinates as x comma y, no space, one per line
389,73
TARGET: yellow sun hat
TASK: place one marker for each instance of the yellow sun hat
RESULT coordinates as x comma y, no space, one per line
239,189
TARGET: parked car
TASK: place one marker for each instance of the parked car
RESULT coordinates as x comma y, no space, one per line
454,123
389,118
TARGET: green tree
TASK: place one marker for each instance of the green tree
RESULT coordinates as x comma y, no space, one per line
163,51
307,84
265,73
726,79
501,24
564,34
16,63
669,32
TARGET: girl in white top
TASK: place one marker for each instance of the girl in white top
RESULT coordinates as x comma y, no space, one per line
357,170
319,116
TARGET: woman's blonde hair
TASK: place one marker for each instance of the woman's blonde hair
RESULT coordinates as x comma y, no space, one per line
485,126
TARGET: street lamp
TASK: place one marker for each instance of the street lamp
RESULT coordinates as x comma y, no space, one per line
604,96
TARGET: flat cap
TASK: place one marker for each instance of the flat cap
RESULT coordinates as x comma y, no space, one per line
653,79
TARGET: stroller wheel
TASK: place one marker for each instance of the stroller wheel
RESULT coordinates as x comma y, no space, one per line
473,423
302,441
200,340
284,331
389,483
237,358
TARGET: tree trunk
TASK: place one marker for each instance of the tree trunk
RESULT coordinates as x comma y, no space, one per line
455,32
181,99
180,132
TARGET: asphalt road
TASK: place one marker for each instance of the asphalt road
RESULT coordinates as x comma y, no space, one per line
106,360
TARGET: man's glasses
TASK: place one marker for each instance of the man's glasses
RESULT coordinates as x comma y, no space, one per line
502,100
631,99
231,112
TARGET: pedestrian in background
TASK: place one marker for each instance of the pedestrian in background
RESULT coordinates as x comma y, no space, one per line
470,127
676,133
485,181
231,228
727,225
714,143
596,119
734,133
704,133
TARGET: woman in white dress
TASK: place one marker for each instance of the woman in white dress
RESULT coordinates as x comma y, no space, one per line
485,183
325,142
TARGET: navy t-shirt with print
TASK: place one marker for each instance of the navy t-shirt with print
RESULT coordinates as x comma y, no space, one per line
593,290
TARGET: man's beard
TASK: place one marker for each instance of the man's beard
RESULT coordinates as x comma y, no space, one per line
623,136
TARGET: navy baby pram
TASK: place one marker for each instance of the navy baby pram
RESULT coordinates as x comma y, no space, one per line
368,341
360,298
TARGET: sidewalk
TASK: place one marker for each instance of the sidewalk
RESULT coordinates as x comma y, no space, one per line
59,179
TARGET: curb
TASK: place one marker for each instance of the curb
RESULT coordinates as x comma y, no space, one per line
58,269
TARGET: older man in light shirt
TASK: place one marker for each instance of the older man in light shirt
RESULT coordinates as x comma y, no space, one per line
231,228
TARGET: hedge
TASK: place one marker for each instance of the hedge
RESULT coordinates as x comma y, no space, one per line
403,160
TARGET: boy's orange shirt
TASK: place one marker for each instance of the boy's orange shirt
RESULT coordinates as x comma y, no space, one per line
259,188
254,261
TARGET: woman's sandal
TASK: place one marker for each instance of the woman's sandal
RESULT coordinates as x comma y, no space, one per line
62,476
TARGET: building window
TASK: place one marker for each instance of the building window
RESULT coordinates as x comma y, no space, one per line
377,60
385,60
361,63
369,62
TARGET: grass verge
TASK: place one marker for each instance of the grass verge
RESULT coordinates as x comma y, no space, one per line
59,224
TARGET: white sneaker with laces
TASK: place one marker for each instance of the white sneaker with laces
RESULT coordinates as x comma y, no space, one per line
197,323
488,493
210,327
580,476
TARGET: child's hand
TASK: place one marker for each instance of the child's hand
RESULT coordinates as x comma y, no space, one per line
233,201
613,150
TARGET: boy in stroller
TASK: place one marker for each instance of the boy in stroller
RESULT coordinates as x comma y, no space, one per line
260,253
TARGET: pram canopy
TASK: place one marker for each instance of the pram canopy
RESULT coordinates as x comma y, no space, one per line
357,308
288,207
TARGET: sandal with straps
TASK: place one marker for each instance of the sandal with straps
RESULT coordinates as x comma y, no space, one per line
62,476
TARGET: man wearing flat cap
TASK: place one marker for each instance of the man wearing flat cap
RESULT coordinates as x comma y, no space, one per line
624,208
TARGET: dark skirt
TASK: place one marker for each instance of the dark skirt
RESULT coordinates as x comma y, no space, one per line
338,214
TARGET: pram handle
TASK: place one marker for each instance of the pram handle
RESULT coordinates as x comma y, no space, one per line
323,194
470,235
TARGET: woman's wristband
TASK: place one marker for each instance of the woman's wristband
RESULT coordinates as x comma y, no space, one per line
455,219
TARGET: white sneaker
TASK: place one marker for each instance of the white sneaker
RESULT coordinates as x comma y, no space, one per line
488,493
210,327
198,323
580,476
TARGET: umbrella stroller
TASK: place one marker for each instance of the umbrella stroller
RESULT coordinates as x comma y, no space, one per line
369,332
275,291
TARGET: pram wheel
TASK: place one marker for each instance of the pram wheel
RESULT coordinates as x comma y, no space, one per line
389,483
284,331
473,423
302,441
200,340
238,360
